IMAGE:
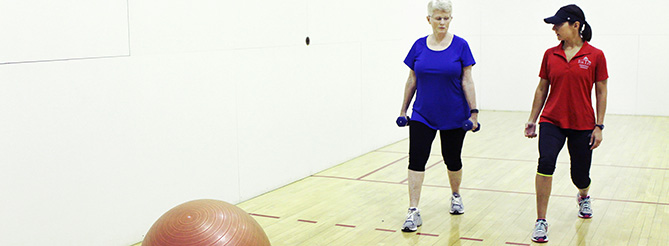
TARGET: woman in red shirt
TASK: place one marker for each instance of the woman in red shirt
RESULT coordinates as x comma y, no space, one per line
568,74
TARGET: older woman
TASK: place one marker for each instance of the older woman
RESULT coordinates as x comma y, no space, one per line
568,73
441,78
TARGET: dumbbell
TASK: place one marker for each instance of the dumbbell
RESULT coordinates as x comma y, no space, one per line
468,125
402,121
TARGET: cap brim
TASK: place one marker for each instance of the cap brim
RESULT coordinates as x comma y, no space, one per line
554,20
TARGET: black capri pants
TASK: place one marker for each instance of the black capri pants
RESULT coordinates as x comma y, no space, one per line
421,137
551,141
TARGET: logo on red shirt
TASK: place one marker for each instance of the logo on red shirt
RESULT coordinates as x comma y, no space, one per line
584,63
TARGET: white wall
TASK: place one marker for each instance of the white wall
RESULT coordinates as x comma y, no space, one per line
39,30
216,100
509,38
223,100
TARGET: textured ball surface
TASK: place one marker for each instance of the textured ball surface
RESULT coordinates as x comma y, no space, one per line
206,223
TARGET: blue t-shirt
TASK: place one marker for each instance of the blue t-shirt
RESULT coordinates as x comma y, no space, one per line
440,100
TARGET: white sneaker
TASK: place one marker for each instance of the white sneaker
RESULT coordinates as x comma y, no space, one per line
584,207
540,233
413,221
456,204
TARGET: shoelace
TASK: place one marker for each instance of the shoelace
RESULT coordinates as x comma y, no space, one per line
456,202
541,226
411,215
585,203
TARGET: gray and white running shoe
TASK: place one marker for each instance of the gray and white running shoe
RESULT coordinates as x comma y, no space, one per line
413,220
584,207
456,204
540,233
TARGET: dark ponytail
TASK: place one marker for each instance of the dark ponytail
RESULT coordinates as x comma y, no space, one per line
586,34
584,29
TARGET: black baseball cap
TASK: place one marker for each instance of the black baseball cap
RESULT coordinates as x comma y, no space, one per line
567,13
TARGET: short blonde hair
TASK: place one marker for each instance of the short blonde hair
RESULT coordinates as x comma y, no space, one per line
443,5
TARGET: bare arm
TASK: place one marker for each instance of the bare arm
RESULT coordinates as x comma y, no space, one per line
470,92
537,104
600,95
409,91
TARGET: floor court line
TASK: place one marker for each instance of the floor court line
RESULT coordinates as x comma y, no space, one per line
385,230
512,243
492,190
431,166
265,216
520,160
353,179
381,168
344,225
499,191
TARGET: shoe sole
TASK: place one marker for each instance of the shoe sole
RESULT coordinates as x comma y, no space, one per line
539,240
406,229
456,212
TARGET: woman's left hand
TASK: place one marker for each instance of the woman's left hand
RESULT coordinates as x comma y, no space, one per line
595,138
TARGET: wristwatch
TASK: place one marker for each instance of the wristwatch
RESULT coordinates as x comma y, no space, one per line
474,111
600,126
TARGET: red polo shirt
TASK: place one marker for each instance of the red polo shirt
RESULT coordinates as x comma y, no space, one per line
569,103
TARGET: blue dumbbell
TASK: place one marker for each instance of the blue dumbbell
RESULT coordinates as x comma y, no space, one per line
402,121
468,125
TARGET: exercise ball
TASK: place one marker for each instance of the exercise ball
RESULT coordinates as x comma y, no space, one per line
206,223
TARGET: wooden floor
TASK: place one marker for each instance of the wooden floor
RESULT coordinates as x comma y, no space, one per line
364,201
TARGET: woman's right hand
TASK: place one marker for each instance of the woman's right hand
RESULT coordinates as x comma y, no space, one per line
530,129
403,120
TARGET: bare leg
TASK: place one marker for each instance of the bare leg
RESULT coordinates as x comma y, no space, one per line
455,178
415,186
583,192
543,186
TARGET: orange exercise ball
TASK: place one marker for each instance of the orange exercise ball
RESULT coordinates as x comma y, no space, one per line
206,223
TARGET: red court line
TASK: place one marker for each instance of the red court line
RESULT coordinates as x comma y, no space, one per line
266,216
471,239
532,193
561,162
381,168
431,166
386,230
630,201
524,244
490,190
426,234
345,178
651,168
342,225
617,200
308,221
493,190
